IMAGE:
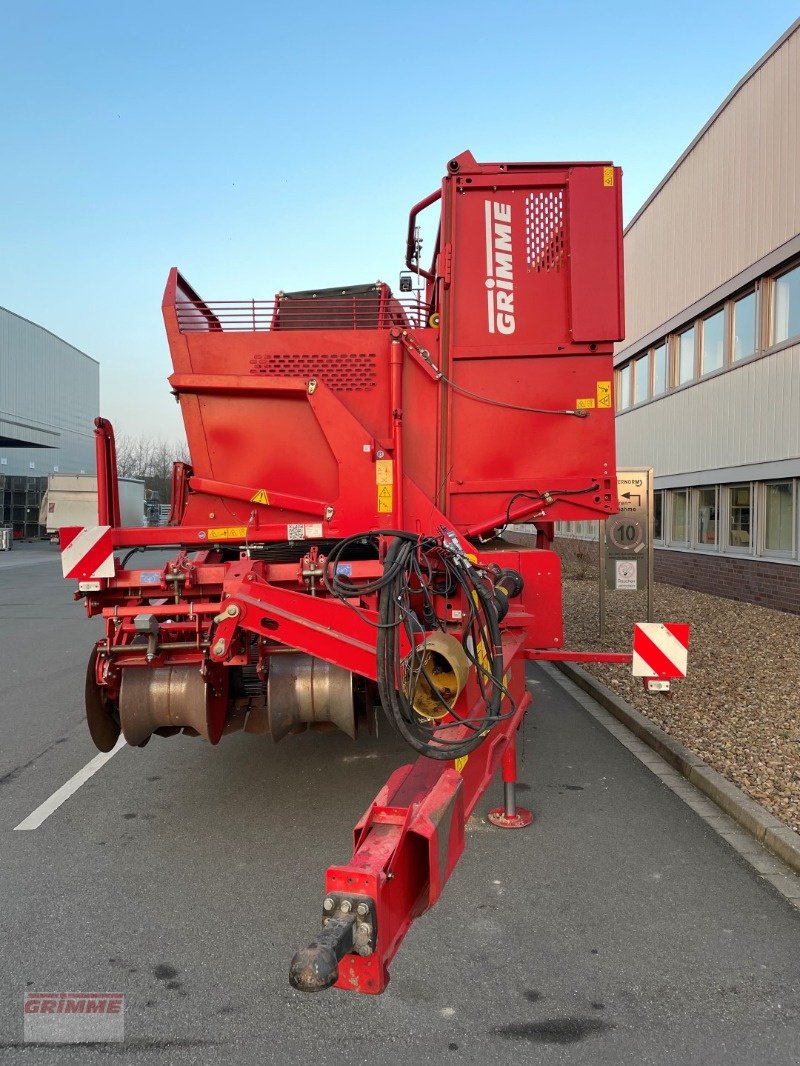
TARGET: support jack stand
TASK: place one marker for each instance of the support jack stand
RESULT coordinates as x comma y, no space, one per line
510,816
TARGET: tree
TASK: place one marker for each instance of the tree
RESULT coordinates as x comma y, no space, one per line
150,459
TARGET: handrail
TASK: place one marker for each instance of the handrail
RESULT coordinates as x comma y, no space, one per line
412,218
347,313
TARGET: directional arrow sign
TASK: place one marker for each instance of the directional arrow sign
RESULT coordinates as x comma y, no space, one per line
628,532
626,545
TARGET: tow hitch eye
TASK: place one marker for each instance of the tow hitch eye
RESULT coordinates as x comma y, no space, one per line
348,927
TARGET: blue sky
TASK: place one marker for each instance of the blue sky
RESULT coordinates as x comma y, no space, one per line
261,147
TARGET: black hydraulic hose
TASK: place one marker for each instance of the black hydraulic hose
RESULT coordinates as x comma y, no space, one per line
396,704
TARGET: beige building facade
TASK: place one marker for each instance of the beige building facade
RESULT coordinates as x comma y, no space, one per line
708,377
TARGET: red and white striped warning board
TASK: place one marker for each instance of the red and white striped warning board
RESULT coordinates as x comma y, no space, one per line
86,553
660,649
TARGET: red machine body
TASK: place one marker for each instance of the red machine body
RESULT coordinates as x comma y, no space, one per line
526,290
355,459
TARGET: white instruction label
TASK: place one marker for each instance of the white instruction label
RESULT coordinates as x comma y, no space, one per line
625,573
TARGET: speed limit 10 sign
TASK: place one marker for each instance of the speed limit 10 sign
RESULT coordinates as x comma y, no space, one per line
627,534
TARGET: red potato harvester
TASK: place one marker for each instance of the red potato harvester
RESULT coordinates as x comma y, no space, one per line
355,459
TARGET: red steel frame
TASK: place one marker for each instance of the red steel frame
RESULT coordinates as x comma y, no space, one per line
409,841
497,408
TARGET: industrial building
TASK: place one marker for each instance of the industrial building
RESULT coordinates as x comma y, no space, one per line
708,377
49,397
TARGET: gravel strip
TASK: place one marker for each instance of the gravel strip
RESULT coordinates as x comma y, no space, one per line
739,706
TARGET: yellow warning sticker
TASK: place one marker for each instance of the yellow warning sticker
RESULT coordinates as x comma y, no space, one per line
603,393
608,177
229,533
585,404
460,762
385,498
482,657
384,472
260,497
506,682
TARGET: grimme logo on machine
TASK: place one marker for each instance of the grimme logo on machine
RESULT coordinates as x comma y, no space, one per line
499,268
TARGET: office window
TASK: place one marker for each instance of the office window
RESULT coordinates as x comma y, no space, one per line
685,356
713,343
641,379
786,306
660,369
658,513
779,516
744,326
739,517
679,528
706,530
624,387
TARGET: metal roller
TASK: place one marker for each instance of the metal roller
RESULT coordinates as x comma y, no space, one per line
304,690
169,697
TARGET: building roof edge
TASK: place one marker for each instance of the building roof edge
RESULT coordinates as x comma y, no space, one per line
44,329
795,26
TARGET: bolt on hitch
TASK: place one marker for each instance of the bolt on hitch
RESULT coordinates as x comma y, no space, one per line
349,926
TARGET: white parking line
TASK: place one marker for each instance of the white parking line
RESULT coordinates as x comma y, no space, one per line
13,563
61,795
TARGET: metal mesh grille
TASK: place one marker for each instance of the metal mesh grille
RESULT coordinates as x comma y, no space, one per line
349,372
544,223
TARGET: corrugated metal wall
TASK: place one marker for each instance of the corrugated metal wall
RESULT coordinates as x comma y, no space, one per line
49,394
747,415
734,198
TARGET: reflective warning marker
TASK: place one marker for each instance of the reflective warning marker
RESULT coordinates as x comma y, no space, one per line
660,649
86,553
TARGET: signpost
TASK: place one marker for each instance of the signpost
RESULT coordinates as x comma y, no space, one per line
626,540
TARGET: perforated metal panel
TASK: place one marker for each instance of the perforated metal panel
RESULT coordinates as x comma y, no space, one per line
544,230
348,372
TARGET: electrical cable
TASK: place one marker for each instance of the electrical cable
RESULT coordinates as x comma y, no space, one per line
346,591
547,497
133,551
397,677
413,566
575,413
441,376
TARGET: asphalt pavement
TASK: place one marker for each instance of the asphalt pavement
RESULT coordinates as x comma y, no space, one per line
618,929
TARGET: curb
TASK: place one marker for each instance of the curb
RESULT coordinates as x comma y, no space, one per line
751,816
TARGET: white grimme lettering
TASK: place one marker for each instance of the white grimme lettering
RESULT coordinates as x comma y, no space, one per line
499,269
